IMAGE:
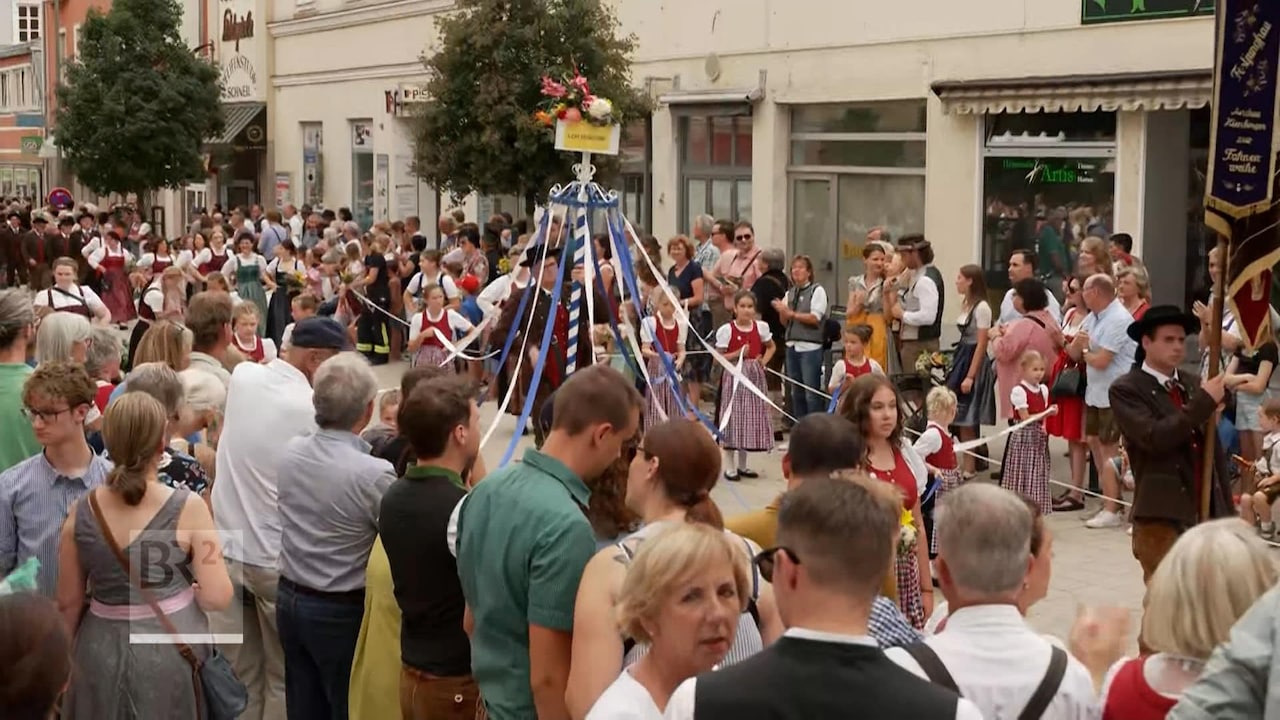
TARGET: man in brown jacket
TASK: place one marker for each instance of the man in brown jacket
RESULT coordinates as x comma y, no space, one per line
1162,414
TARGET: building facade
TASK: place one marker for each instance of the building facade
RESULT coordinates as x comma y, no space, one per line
819,121
22,126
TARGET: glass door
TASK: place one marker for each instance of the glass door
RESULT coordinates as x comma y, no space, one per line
813,233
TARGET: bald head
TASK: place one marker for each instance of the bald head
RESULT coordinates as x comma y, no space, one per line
1098,291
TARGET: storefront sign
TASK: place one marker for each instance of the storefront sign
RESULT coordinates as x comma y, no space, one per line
240,51
1244,105
31,144
397,99
582,136
1099,11
1038,171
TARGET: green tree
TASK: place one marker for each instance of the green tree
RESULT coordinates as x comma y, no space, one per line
477,133
137,104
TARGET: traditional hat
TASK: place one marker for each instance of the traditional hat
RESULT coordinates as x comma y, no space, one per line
39,217
534,254
1159,316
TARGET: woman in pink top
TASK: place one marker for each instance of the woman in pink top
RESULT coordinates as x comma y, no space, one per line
1035,330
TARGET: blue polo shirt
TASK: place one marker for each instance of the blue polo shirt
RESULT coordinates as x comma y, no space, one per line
1108,330
523,542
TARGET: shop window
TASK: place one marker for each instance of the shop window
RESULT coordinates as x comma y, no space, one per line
715,167
635,156
854,167
1048,183
362,172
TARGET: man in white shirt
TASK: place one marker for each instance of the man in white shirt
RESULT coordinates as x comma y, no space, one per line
988,652
835,544
920,310
1022,266
292,217
267,405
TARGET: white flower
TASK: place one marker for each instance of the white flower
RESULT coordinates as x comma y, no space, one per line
600,109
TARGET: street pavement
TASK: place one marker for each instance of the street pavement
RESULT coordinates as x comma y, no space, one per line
1090,567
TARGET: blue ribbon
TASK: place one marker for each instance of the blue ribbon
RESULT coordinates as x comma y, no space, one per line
835,399
547,333
524,301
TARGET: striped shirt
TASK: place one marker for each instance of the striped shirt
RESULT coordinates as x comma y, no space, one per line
34,501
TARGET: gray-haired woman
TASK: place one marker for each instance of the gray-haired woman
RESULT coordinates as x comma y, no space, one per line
772,285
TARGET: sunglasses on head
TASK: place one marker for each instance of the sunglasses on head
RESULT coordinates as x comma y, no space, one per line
764,560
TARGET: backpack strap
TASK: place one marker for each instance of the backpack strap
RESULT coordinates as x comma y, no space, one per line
1048,687
932,666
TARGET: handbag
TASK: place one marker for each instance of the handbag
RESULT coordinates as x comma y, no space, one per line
219,693
1070,382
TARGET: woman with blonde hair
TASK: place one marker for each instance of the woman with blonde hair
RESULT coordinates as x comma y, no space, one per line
1133,287
164,342
681,597
1213,574
1094,257
669,483
178,557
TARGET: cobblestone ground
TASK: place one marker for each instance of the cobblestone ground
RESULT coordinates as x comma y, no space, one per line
1090,567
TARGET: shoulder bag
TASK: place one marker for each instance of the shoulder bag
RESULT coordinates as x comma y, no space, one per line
219,693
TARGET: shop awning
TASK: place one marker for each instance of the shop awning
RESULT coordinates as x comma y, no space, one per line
1165,90
237,116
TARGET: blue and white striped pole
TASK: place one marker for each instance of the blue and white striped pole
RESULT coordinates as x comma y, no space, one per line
581,243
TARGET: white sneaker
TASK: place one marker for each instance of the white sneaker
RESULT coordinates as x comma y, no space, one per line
1105,519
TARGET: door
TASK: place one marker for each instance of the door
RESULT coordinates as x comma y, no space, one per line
813,229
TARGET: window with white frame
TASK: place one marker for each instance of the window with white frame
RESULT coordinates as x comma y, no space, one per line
17,90
75,41
26,22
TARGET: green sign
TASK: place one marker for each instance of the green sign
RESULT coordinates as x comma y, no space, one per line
1100,11
1053,172
31,144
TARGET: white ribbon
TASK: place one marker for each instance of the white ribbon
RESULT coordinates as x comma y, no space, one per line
727,410
684,318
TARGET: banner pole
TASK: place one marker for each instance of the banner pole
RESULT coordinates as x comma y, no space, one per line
1215,366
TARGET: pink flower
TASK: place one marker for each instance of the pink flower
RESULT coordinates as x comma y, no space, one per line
551,88
580,83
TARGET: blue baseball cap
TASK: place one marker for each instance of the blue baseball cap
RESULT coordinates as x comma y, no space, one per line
320,333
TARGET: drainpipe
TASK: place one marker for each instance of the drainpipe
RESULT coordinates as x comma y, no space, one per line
52,97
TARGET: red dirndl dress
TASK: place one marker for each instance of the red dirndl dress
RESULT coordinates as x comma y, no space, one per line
117,292
257,353
432,351
1132,698
906,565
949,476
1068,424
661,398
1026,469
749,427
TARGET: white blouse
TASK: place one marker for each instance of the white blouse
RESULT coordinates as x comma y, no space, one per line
51,298
149,259
724,334
235,261
457,323
102,252
625,699
649,331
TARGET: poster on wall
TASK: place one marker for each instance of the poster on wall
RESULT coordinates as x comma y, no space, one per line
361,137
406,188
312,163
6,182
1099,11
381,182
240,51
284,182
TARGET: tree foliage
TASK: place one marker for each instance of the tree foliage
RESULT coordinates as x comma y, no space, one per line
477,133
137,103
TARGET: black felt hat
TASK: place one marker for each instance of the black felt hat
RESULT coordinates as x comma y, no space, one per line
534,254
1159,316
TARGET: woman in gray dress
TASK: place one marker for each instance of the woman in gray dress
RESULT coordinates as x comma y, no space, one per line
169,540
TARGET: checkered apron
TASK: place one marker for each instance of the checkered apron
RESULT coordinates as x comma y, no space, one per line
429,355
947,479
749,428
906,569
1026,469
661,395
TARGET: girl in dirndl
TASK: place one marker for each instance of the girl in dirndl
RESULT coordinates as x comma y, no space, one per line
749,426
876,410
937,447
664,331
427,327
249,270
110,260
1026,469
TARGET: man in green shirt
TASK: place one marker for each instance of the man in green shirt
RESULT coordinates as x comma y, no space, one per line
523,540
1052,252
17,330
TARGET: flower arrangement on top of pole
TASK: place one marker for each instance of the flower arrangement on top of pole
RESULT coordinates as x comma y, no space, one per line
583,122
